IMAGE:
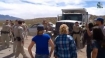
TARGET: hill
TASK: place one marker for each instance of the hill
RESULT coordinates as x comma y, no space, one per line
39,20
94,17
54,19
7,17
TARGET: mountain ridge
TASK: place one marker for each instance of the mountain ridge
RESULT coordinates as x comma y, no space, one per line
8,17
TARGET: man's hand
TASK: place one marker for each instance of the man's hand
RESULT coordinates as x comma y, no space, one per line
23,42
86,25
49,55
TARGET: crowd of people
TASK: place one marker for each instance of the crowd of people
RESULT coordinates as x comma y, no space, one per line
64,45
16,33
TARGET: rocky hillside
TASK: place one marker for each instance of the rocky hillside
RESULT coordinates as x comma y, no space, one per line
94,16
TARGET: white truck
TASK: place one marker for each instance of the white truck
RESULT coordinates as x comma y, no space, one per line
70,16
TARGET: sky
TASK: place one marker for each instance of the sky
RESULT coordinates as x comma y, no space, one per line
28,9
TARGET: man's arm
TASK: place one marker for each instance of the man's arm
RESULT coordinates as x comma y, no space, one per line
94,53
56,48
10,30
26,28
104,31
81,29
73,49
88,31
21,33
84,38
13,28
2,26
73,27
30,48
52,46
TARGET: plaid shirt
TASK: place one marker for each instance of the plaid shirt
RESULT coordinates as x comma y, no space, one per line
65,47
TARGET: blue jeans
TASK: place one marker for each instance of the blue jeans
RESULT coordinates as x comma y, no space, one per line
41,56
89,50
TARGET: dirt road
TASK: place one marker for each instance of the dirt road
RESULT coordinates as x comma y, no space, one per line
8,53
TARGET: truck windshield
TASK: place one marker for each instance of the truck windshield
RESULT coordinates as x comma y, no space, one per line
77,17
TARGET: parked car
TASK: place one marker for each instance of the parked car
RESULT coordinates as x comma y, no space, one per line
32,30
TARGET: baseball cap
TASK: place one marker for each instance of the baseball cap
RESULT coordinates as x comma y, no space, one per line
100,19
40,27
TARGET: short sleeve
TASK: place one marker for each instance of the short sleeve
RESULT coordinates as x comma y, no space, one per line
33,39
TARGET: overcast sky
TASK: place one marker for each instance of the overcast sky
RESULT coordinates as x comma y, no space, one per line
29,9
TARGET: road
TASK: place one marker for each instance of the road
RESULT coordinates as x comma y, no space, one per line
8,53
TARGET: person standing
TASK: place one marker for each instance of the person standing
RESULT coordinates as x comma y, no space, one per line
100,23
76,34
14,28
88,40
98,51
25,27
45,23
42,42
19,41
12,35
65,46
5,34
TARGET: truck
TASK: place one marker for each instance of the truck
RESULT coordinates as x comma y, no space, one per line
69,17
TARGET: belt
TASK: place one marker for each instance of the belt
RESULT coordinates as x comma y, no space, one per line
76,32
17,38
5,32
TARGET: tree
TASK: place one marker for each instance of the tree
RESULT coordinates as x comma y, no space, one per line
99,5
